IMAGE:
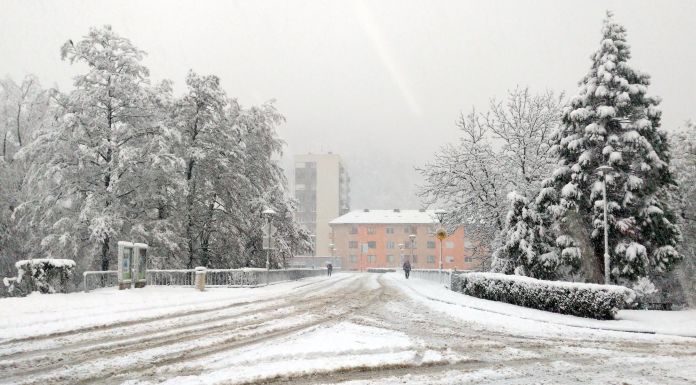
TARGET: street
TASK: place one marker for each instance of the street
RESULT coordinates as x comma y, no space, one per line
352,328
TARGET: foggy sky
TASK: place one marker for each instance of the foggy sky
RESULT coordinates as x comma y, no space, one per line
379,82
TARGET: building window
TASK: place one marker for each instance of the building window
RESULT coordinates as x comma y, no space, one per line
372,245
352,244
431,244
390,258
408,229
390,244
449,258
370,230
390,230
371,259
408,245
353,230
431,259
353,259
449,245
415,259
468,259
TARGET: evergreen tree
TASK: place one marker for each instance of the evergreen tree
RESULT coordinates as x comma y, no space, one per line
529,243
612,121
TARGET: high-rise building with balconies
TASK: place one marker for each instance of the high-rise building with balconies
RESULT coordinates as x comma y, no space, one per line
322,188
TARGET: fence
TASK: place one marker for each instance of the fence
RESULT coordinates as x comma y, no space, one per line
213,277
434,275
98,279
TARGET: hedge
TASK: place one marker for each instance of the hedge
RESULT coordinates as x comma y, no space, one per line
578,299
45,275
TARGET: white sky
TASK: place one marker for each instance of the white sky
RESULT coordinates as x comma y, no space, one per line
379,82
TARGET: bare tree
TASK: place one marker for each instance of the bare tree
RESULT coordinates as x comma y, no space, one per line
503,150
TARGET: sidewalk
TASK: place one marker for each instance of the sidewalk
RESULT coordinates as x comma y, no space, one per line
528,321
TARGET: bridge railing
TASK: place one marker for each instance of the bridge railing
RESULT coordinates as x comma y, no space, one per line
171,277
98,279
213,278
434,275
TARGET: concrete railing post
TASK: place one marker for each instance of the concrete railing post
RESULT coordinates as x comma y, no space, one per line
200,278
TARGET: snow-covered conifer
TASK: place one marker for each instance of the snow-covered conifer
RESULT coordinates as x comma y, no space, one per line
613,121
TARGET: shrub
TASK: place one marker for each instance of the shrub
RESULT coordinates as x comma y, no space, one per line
579,299
44,275
380,270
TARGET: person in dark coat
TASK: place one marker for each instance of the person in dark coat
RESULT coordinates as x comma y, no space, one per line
407,268
329,268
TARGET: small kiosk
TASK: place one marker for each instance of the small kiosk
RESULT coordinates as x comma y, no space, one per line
132,265
140,264
125,264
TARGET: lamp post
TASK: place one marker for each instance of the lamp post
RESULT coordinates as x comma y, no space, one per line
441,235
602,171
314,249
332,247
268,214
401,253
413,240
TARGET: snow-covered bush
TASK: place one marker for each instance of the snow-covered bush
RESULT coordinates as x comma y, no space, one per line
644,289
44,275
579,299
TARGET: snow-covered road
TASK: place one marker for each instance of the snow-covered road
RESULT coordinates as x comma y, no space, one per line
352,328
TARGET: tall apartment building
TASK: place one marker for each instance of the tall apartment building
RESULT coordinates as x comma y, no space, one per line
322,188
381,239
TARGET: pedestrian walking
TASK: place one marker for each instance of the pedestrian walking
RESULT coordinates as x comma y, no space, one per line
407,268
329,268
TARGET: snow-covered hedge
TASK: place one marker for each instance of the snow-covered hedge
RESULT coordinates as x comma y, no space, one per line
380,270
43,274
579,299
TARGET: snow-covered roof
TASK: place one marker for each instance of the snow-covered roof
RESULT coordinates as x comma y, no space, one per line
386,217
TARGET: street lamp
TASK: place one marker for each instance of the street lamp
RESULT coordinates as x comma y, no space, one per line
401,253
332,247
268,214
602,171
441,235
314,249
413,238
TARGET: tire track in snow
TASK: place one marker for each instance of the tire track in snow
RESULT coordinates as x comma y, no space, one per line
327,295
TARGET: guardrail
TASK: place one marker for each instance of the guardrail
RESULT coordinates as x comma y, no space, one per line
174,277
434,275
213,277
97,279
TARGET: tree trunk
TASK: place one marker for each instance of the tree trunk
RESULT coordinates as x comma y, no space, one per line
105,254
205,242
4,146
19,134
189,212
190,198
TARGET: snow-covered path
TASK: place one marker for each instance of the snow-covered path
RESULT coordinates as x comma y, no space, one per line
352,328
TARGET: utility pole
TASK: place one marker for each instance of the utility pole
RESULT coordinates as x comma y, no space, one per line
602,171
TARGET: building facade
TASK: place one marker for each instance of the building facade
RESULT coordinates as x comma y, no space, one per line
322,188
381,239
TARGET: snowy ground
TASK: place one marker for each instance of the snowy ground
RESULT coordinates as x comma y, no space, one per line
351,328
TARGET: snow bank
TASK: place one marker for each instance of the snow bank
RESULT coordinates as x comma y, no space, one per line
579,299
